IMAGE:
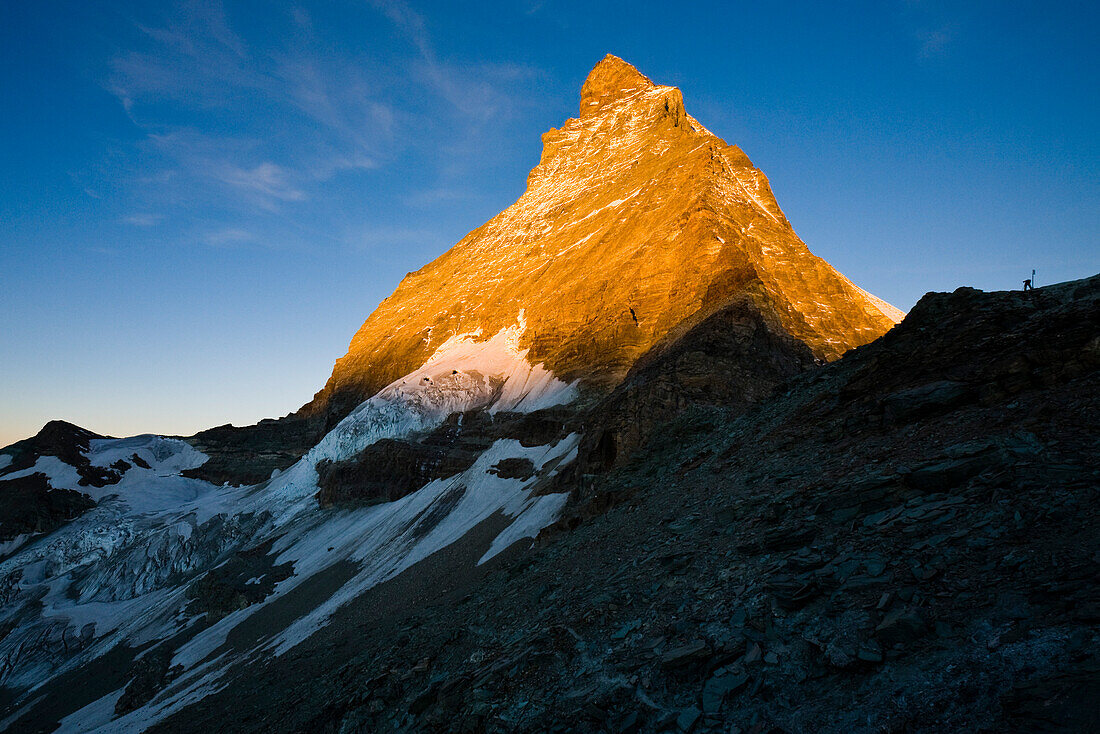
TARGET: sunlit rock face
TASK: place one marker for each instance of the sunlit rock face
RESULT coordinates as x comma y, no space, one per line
637,220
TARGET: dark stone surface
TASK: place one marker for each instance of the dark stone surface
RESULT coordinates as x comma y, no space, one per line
69,444
30,505
388,470
513,469
246,578
57,438
150,673
392,468
249,454
941,396
735,358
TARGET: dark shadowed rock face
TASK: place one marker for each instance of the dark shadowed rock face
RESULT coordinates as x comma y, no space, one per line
387,470
30,505
390,469
513,469
903,540
735,358
973,348
69,444
245,578
148,675
57,438
249,454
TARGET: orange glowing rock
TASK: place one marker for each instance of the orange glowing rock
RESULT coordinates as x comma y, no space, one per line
637,222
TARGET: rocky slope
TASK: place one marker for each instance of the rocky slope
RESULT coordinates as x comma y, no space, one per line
636,221
903,540
250,454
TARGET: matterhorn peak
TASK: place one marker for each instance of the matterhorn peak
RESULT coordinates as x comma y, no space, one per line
610,80
636,222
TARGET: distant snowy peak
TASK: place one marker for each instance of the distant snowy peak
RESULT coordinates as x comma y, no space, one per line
637,219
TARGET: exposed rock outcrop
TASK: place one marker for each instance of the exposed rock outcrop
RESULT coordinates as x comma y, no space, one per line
29,505
249,454
390,469
66,442
735,358
57,438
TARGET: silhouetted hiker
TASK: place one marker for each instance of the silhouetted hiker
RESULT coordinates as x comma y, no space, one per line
1027,284
633,316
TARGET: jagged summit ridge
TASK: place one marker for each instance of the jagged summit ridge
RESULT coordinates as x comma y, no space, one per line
636,221
611,79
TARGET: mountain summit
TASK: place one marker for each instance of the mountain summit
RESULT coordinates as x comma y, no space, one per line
636,222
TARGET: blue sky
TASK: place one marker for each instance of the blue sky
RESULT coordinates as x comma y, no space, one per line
201,202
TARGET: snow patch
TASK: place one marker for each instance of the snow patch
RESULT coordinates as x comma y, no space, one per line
144,490
165,455
94,715
60,474
536,514
387,539
463,374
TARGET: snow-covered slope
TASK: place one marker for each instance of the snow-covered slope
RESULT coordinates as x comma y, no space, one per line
125,574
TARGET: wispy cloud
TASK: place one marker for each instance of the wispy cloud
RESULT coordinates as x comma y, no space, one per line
933,25
474,90
194,58
246,120
228,236
408,21
257,123
266,182
144,220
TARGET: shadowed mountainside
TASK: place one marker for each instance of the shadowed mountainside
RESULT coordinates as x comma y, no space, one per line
903,540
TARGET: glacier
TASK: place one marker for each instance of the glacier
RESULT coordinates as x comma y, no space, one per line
119,574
